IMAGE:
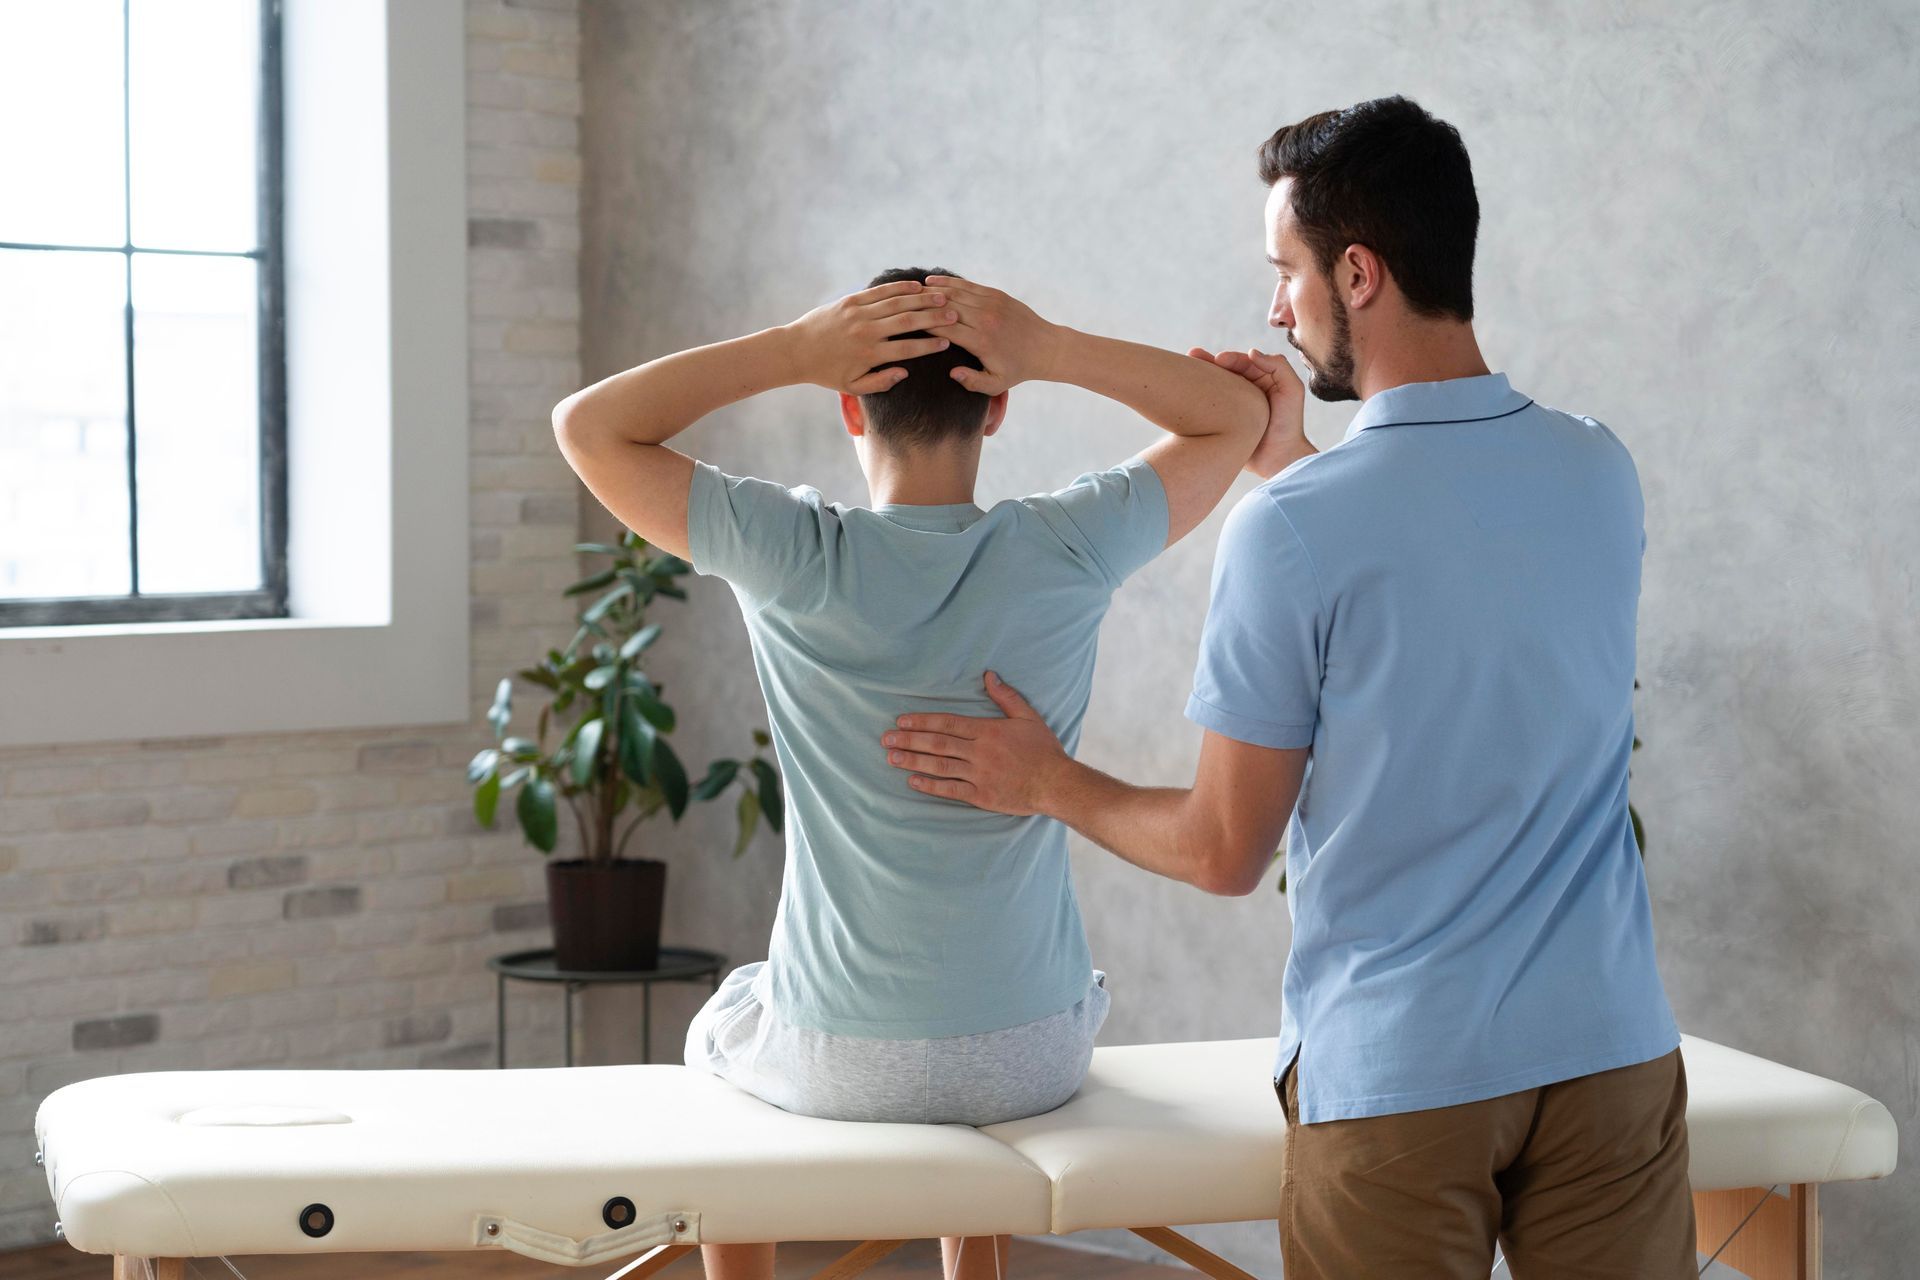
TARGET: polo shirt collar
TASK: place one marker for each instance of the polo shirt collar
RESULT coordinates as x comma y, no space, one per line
1455,400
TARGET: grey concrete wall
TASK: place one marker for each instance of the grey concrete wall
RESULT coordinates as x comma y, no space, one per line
1699,227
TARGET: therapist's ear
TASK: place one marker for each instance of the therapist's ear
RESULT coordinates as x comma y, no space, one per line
996,413
853,414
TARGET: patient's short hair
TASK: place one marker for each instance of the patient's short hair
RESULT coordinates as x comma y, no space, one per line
927,406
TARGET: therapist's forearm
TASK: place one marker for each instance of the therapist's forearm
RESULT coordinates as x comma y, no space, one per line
1151,827
1174,392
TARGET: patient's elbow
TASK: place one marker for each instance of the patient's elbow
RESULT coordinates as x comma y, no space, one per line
566,415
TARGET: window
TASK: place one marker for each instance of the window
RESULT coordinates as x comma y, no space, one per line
142,376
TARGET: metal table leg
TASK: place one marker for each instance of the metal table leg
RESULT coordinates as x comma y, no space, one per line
500,1021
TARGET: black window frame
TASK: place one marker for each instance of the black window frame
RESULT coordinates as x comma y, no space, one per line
270,599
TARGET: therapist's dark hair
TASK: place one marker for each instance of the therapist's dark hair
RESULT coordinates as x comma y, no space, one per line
927,406
1387,175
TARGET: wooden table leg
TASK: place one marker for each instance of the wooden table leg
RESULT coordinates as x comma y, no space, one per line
129,1267
1767,1236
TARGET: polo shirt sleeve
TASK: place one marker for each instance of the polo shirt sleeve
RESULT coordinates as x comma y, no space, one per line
1117,518
1263,648
763,538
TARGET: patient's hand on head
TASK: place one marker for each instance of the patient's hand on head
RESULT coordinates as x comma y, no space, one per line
1010,340
1285,441
842,344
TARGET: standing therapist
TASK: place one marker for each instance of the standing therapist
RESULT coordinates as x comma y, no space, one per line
1418,662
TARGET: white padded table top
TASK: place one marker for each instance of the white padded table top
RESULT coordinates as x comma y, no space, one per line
1161,1134
424,1160
1755,1123
1183,1133
198,1164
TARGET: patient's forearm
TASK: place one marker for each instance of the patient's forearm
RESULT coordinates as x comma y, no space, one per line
654,402
1176,393
1143,825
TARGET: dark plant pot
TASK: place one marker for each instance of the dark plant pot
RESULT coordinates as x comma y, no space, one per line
606,916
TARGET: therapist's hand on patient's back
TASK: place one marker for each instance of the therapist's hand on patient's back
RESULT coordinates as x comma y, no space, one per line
1006,335
1006,765
1285,441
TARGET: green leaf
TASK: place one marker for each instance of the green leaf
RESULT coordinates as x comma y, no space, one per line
540,676
600,608
594,583
720,774
1639,832
515,778
760,738
670,566
597,678
502,709
658,713
748,814
482,765
640,640
586,750
600,547
536,814
636,744
670,776
486,799
772,802
521,748
674,593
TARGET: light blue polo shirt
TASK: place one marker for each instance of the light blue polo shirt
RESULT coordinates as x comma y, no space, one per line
1442,607
902,915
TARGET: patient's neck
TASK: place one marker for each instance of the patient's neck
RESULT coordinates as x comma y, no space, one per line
931,476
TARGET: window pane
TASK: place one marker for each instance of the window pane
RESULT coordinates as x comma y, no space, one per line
193,76
61,164
63,431
196,423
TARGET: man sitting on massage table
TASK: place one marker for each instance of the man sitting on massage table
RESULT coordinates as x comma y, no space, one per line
928,962
1426,636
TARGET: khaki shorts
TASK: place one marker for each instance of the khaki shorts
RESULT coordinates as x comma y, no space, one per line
1585,1179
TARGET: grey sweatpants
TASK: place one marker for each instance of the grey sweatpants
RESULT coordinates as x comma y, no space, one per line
974,1079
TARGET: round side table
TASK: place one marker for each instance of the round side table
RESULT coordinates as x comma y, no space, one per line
677,964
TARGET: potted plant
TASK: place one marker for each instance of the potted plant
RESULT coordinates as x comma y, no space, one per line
611,756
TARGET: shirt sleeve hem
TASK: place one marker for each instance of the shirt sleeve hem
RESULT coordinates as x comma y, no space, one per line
700,496
1258,733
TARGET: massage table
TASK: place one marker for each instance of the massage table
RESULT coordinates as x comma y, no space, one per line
583,1166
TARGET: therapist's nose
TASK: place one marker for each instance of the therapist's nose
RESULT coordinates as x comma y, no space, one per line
1280,313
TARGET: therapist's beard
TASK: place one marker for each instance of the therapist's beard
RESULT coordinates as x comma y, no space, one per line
1331,379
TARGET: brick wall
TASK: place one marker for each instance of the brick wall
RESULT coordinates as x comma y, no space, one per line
326,899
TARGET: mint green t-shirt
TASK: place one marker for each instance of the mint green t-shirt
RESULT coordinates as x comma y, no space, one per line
903,915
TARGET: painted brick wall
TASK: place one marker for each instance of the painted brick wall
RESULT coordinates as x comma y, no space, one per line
326,899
